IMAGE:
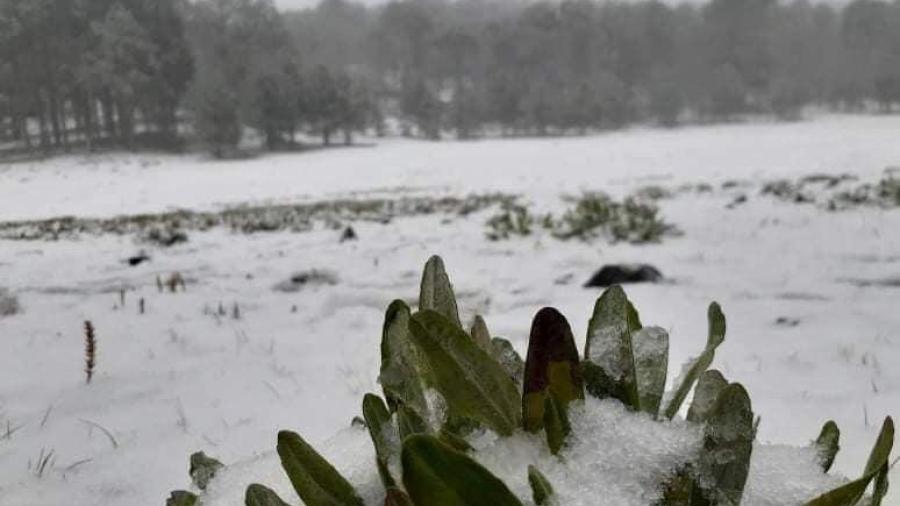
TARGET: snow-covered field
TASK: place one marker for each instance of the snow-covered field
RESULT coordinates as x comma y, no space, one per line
181,378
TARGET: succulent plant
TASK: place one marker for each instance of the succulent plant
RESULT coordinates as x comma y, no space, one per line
428,353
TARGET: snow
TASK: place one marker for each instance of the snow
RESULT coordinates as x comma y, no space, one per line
122,183
613,457
181,378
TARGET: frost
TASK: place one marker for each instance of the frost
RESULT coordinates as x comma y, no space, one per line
437,408
606,351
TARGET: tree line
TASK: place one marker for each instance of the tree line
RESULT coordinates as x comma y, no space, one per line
160,73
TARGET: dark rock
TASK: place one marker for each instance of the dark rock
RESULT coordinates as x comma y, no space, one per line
787,321
138,259
349,234
306,278
617,274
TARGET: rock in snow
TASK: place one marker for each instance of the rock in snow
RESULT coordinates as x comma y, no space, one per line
618,274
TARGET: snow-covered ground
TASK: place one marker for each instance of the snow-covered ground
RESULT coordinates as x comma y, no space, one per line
181,378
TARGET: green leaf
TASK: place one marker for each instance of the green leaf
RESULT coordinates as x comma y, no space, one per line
850,494
203,469
556,423
437,475
504,353
715,337
316,481
828,444
881,452
880,489
551,368
453,440
541,490
436,292
410,422
472,383
259,495
727,446
401,374
609,360
384,435
397,497
181,498
480,334
650,346
709,386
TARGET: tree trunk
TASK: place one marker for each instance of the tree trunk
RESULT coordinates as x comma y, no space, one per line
109,116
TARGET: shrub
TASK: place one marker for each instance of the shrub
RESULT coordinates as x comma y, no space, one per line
423,456
165,235
888,191
596,214
513,219
9,304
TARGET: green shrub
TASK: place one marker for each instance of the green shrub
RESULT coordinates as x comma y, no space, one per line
512,220
624,360
595,214
888,191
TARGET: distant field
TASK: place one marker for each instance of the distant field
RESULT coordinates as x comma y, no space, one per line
543,168
810,295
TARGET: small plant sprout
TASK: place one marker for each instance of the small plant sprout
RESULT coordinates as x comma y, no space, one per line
90,350
446,390
44,461
109,435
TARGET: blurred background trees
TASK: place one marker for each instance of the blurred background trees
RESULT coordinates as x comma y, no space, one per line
97,74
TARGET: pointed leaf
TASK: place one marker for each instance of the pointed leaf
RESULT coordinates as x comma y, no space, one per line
473,384
828,444
410,422
727,445
504,353
709,386
401,373
203,469
316,481
436,292
541,490
715,337
453,440
609,368
551,367
384,435
556,423
880,489
881,452
259,495
650,346
850,494
481,334
437,475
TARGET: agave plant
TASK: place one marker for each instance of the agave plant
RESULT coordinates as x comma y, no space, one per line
424,459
